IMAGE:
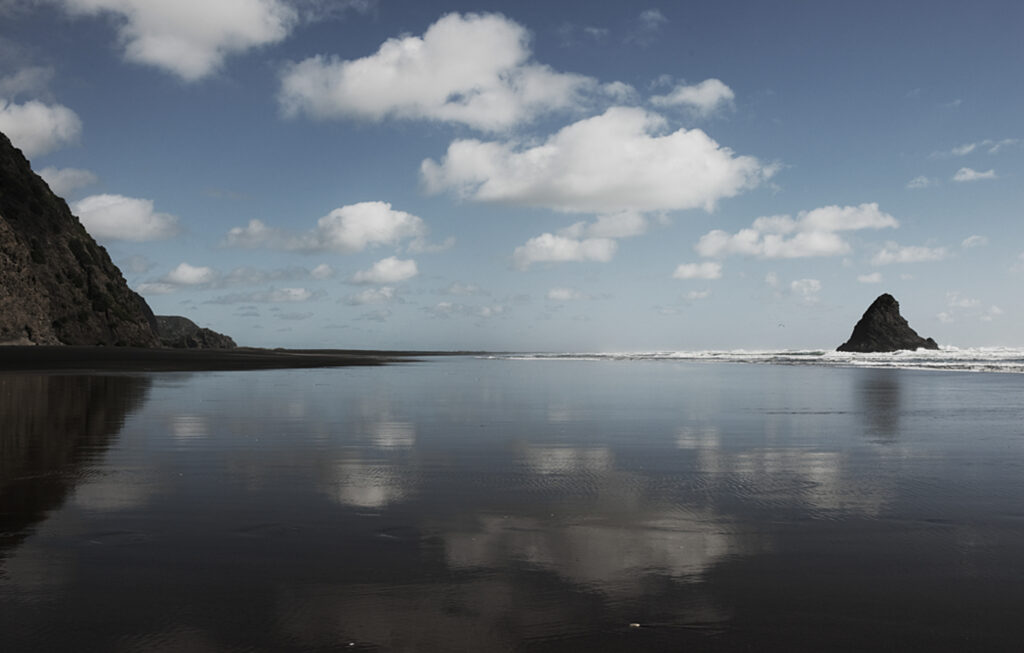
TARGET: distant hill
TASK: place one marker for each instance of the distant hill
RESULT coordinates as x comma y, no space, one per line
182,333
57,286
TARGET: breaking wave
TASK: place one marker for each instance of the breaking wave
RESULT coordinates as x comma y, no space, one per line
982,359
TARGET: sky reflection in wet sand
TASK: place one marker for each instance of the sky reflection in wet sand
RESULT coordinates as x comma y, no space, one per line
462,504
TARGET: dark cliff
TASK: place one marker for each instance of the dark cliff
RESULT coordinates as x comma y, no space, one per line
182,333
883,329
57,286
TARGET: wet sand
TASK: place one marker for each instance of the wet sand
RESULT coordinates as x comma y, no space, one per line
134,359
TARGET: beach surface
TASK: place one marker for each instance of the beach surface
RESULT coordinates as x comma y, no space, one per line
473,504
135,359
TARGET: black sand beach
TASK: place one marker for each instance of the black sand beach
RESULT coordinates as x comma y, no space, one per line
135,359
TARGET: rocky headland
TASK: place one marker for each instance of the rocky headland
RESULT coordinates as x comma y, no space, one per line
883,329
182,333
57,285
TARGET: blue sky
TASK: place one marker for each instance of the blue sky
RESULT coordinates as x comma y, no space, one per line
535,175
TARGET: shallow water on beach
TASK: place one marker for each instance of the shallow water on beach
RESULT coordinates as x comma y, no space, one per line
484,505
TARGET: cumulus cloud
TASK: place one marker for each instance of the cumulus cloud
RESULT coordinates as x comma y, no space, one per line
806,289
811,233
618,161
703,98
695,295
874,277
974,241
549,248
387,271
920,182
351,228
894,253
191,38
38,128
191,275
116,217
471,69
706,270
63,181
969,174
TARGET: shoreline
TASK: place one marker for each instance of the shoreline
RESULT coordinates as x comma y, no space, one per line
42,358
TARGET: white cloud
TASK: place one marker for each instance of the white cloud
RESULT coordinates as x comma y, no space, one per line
706,270
812,233
894,253
963,149
874,277
695,295
772,280
974,241
969,174
116,217
645,27
190,275
351,228
37,128
386,271
191,38
806,289
956,300
617,161
472,69
623,224
549,248
63,181
703,98
358,226
322,271
990,145
381,295
996,146
945,317
564,294
29,80
920,182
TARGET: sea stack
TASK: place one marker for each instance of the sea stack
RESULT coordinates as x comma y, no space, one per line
57,286
883,329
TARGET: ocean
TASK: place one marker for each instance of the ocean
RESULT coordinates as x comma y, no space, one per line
723,501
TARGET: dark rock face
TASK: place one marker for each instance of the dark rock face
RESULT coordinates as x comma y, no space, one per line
182,333
57,286
882,329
